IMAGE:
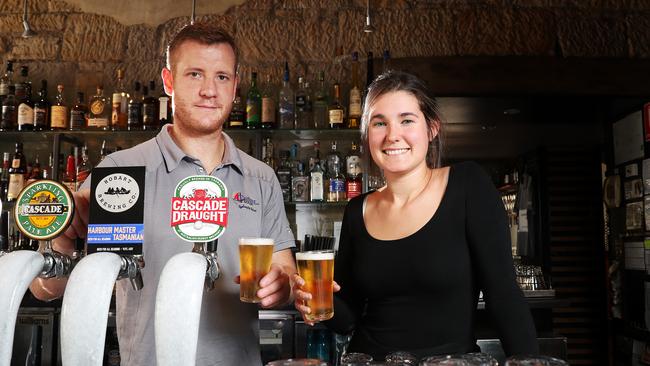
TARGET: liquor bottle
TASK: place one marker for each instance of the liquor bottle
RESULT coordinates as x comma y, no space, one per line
316,176
336,112
16,173
321,103
134,119
253,105
9,117
69,176
354,117
42,109
335,184
286,102
36,172
99,115
164,108
238,112
59,111
83,169
150,113
25,119
370,71
120,104
46,171
4,177
304,114
284,175
268,104
23,85
6,80
78,113
315,158
103,151
300,184
268,153
354,172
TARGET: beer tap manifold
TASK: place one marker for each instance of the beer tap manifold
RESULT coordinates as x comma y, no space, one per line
209,251
131,266
56,264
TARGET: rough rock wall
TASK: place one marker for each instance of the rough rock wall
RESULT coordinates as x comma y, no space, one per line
83,49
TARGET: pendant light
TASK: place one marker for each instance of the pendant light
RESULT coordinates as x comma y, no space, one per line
28,32
193,12
368,28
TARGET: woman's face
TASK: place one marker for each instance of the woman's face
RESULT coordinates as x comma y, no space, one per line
398,135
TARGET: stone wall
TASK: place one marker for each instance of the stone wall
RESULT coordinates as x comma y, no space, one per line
83,49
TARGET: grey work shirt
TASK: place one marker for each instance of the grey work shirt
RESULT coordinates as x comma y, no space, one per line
228,333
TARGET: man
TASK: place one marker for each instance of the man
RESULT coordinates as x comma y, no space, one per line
201,76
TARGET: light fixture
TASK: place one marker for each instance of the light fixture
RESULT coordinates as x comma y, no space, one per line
193,12
28,32
368,28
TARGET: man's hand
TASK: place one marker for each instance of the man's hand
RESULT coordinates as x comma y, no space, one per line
275,288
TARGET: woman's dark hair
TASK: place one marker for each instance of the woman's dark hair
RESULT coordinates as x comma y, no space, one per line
393,81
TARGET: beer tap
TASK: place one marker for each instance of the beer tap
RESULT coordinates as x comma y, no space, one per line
56,264
209,251
131,269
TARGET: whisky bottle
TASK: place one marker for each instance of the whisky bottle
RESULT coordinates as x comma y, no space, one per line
286,102
46,171
316,177
164,108
83,169
354,172
370,71
300,184
268,105
35,174
253,105
78,114
237,113
25,119
69,176
16,173
6,80
268,153
134,120
284,175
354,117
120,104
99,113
59,111
335,111
335,184
321,103
9,117
304,114
42,109
150,114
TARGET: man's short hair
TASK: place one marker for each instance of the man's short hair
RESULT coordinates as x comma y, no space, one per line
203,33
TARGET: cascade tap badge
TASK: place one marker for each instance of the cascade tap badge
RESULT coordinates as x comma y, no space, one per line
116,213
44,209
200,208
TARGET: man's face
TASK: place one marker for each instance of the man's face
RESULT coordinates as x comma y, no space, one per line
202,84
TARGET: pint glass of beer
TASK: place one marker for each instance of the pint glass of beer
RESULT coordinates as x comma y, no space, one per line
254,263
317,269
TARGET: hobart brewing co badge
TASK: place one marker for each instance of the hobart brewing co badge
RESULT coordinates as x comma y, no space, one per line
44,209
200,208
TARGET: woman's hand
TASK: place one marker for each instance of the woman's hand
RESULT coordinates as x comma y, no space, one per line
302,297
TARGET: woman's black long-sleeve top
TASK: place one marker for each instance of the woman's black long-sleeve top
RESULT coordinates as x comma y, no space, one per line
420,293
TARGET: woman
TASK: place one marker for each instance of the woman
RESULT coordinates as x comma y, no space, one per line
414,254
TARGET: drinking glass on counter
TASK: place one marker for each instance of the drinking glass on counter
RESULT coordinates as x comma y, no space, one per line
448,360
534,361
355,359
297,362
254,263
317,269
401,358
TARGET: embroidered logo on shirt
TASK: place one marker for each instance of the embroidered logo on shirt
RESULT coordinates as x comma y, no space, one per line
243,201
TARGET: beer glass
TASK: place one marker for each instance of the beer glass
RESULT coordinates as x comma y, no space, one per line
254,263
534,361
317,269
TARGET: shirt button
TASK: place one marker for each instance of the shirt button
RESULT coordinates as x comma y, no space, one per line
201,170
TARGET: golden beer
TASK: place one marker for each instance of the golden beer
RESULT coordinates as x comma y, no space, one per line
317,269
254,263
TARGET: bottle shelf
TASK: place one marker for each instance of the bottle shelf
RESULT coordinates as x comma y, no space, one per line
317,204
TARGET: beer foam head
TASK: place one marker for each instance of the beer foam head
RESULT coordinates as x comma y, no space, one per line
316,255
256,241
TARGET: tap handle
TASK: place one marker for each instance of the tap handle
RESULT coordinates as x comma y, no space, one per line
211,246
4,231
79,244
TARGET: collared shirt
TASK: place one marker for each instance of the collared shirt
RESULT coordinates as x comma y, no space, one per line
228,333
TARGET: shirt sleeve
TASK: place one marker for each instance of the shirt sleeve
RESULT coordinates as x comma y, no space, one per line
489,240
274,219
348,304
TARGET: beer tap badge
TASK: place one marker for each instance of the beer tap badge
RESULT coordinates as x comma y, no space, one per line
116,217
200,208
44,209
